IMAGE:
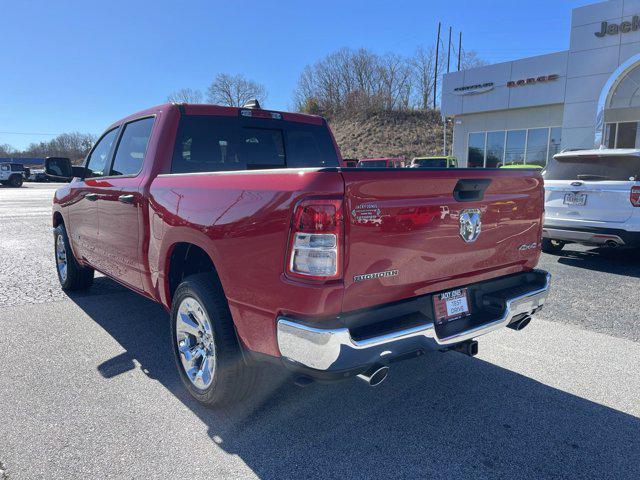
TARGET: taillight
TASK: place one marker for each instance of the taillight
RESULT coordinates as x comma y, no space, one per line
315,251
634,196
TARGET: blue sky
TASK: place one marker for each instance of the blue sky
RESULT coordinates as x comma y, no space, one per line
78,65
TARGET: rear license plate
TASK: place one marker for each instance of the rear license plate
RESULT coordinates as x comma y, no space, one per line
451,305
575,199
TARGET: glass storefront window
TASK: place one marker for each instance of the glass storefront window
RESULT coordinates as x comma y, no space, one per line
555,140
622,135
537,146
476,150
495,149
610,135
512,147
627,135
516,143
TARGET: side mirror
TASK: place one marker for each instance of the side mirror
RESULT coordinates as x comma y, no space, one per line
60,169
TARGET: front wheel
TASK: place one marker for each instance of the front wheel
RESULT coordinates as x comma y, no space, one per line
552,246
71,274
16,181
205,347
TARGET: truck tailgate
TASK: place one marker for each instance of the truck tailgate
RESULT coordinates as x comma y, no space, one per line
403,230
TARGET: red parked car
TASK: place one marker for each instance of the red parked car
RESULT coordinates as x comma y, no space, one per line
243,224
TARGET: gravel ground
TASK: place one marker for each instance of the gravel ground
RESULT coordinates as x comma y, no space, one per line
88,388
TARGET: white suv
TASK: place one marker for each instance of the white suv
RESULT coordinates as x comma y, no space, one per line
11,174
592,197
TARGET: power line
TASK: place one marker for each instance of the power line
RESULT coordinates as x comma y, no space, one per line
30,133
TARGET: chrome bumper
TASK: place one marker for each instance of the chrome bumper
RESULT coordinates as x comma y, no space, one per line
335,349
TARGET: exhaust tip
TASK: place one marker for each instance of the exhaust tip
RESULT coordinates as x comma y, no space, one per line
520,324
375,376
470,348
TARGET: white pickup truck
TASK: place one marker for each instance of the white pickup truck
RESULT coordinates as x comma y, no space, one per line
592,197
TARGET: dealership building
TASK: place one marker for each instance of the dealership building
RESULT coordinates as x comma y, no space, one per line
526,110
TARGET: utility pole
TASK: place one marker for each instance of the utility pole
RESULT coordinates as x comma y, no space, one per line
449,51
459,50
435,76
444,118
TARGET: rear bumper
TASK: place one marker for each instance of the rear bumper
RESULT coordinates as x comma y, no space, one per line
498,303
592,235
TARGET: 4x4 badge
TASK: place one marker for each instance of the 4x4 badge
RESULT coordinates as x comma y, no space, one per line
470,224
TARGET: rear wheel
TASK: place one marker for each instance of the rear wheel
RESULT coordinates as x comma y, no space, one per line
205,347
552,246
71,274
16,181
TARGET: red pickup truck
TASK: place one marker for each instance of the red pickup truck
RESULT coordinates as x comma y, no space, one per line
244,225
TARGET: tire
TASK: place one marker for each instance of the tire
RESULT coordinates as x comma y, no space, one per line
552,246
16,181
199,305
71,274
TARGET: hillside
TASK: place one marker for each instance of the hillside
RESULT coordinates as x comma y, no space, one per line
389,134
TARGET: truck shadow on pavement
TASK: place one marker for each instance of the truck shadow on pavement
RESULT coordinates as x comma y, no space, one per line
439,416
617,261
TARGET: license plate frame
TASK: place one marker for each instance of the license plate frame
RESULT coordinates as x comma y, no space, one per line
451,305
575,199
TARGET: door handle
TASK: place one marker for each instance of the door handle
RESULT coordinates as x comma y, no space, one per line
91,196
125,198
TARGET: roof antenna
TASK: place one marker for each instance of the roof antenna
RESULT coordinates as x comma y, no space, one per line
252,103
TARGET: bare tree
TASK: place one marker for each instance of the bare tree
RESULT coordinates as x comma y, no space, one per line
423,65
356,81
234,90
6,150
470,59
395,82
185,95
363,81
74,145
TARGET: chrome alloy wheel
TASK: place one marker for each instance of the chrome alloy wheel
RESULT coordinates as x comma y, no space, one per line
194,337
61,258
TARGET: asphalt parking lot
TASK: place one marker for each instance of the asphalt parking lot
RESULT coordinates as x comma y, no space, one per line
88,388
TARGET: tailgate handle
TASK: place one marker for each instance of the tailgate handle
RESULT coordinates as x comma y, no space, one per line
470,190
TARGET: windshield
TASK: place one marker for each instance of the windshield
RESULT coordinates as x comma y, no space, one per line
594,168
430,163
373,164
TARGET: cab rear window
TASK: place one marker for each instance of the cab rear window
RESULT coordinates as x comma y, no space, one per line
594,168
209,144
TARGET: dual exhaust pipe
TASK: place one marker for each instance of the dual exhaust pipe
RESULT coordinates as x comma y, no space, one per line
378,373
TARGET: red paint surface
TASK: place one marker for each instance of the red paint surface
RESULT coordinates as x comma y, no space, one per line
242,220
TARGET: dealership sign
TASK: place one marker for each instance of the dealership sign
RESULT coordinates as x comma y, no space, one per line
532,80
607,28
473,89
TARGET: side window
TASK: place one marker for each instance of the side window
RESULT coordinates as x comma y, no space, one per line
99,159
132,147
